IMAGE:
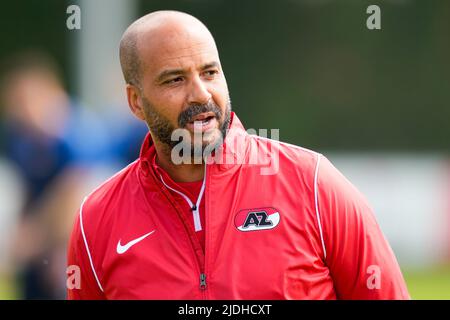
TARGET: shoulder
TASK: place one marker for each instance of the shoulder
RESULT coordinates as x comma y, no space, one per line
97,204
332,183
287,154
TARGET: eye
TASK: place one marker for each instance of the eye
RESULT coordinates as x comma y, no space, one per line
174,80
211,73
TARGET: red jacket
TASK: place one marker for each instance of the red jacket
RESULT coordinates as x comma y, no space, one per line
291,229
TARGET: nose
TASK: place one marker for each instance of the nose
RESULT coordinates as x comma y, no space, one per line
198,93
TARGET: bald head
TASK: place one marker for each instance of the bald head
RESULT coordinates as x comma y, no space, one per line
170,30
173,72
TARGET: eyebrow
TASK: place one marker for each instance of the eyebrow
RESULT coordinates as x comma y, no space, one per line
176,72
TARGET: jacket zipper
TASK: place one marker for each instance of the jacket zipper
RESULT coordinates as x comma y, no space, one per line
205,264
197,223
202,281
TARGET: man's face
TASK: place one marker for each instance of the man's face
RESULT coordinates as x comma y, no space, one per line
183,87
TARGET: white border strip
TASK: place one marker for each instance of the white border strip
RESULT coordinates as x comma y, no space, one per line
86,244
81,218
198,224
316,193
196,212
316,201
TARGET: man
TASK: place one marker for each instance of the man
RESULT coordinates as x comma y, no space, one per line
215,225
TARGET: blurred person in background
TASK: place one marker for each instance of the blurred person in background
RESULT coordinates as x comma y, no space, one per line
55,144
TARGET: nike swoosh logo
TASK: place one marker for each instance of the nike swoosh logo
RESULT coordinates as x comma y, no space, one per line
124,248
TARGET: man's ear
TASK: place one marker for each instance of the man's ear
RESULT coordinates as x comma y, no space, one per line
135,101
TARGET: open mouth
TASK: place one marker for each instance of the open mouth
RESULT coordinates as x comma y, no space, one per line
203,118
202,122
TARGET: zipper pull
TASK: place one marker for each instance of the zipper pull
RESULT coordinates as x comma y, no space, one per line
194,207
202,281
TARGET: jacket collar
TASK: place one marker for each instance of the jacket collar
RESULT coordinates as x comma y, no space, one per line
233,151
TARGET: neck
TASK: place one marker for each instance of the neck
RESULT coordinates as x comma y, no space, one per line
178,172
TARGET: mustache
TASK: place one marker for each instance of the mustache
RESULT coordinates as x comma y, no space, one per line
194,110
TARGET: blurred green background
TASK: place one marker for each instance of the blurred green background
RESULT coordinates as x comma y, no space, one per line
304,65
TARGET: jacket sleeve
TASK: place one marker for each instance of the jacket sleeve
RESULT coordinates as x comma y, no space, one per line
81,281
361,262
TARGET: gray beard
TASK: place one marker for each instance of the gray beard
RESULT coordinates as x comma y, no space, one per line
162,129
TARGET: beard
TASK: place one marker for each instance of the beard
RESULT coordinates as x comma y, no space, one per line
163,130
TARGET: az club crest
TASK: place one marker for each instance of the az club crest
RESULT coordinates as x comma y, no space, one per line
257,219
